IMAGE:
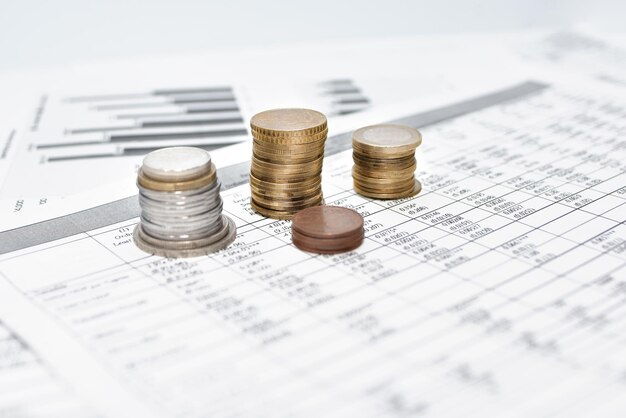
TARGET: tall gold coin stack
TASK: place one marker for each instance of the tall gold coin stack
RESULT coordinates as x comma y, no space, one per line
384,161
287,154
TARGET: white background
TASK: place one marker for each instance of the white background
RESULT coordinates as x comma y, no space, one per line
58,32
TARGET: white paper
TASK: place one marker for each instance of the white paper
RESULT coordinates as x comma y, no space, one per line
577,52
498,291
29,387
104,137
384,72
25,211
7,147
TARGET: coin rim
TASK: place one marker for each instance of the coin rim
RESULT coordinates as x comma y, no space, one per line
304,248
222,243
381,196
317,235
308,130
290,139
357,137
162,186
286,206
327,244
197,171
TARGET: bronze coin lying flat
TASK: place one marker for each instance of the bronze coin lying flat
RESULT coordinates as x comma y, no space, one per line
328,222
327,229
326,245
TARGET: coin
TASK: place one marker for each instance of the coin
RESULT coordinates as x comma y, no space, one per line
290,139
181,208
374,153
389,181
289,149
384,161
281,185
417,187
288,123
307,165
387,139
287,159
165,186
194,249
326,246
278,197
328,222
289,204
290,177
384,173
176,163
386,188
272,213
285,194
327,229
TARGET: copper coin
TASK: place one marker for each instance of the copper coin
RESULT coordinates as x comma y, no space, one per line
318,250
326,245
328,222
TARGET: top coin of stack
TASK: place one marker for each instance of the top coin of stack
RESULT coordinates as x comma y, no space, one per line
384,161
287,154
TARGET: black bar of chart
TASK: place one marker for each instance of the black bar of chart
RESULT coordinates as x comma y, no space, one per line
207,117
126,124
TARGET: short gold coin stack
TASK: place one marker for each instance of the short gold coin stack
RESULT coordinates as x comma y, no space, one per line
384,161
287,155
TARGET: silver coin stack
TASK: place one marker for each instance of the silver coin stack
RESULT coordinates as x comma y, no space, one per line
181,207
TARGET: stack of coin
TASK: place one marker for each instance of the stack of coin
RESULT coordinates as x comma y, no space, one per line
181,207
286,168
327,230
384,161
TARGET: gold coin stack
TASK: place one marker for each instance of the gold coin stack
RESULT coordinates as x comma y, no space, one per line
384,161
287,155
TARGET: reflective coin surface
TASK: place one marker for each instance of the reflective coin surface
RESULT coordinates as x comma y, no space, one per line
176,163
